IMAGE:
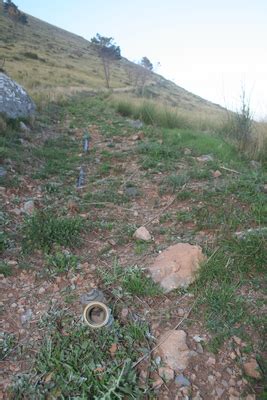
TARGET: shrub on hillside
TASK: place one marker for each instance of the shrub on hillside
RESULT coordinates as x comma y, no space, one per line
239,125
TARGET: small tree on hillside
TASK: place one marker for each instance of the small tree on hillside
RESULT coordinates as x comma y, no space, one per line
147,64
147,68
108,52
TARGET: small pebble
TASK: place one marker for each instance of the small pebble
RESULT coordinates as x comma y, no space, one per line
200,349
181,380
211,361
180,312
158,360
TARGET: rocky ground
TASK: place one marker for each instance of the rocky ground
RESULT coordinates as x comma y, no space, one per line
129,183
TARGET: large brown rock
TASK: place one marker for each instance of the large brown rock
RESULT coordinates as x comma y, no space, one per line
173,350
176,267
251,369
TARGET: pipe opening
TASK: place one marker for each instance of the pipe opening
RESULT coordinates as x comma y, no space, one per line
96,314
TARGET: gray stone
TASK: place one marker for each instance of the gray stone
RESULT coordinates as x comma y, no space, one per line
14,100
205,158
28,207
187,152
255,164
131,191
23,127
3,172
94,295
166,373
198,339
158,360
219,391
26,317
181,380
200,349
211,379
137,124
251,231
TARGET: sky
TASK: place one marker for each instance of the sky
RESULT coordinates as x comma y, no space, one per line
214,49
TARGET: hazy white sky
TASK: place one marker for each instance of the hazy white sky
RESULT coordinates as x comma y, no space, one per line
211,48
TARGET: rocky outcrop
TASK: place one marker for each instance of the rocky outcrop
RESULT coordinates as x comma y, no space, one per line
14,100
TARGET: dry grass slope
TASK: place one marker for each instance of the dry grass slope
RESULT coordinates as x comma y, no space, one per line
51,62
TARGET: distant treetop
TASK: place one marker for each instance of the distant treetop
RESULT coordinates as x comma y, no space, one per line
146,63
106,47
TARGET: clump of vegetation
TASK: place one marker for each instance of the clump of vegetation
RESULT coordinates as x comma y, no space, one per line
172,183
239,125
61,262
249,136
81,364
44,230
152,114
57,157
131,279
3,241
32,56
7,344
5,269
234,264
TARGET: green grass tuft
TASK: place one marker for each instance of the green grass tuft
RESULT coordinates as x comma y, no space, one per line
80,365
61,262
131,279
5,269
44,230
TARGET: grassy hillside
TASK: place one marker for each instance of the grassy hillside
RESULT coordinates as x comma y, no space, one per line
47,59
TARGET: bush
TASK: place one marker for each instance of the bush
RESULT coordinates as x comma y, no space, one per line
32,56
239,125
